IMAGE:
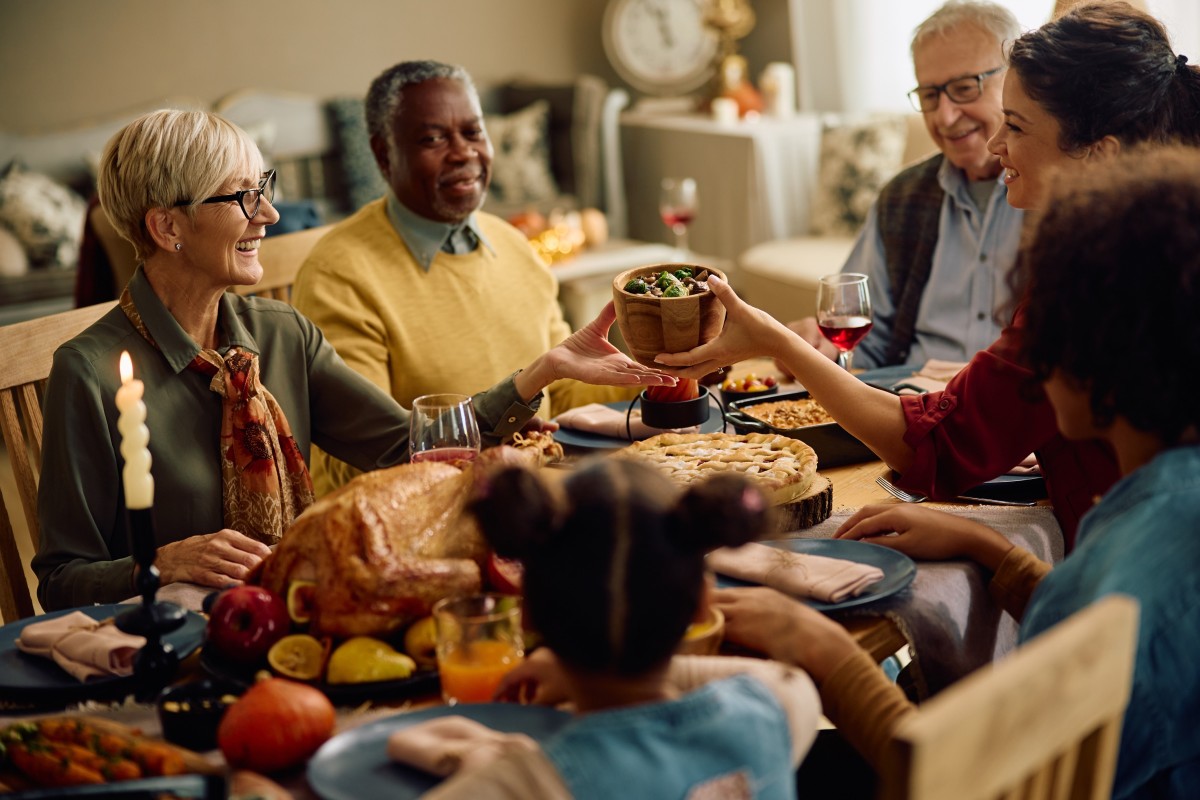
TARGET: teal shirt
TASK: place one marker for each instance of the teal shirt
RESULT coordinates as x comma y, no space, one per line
1143,540
83,555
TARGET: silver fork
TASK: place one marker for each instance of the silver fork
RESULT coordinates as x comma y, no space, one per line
910,497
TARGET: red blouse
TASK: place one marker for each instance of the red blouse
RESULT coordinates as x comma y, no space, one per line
990,417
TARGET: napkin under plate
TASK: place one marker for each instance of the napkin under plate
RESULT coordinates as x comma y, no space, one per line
84,647
829,580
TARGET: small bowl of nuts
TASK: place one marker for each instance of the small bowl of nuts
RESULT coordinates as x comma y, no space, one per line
666,308
190,713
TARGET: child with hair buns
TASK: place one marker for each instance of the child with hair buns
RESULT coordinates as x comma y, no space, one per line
614,574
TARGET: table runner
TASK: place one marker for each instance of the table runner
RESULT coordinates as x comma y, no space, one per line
947,614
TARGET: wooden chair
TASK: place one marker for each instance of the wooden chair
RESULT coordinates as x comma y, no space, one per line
1040,725
26,353
281,257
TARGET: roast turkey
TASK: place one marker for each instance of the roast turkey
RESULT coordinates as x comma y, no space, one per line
382,549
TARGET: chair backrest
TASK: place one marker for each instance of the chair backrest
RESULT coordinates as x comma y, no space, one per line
1043,723
26,353
281,257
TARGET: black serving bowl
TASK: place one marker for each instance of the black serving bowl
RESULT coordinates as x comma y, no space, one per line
190,713
833,445
678,414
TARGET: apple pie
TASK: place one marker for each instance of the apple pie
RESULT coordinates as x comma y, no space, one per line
783,467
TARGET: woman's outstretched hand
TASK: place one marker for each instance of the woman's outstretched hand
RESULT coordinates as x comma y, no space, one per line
748,332
588,356
926,534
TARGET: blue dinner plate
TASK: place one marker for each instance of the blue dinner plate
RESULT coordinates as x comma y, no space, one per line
594,441
898,569
35,680
355,764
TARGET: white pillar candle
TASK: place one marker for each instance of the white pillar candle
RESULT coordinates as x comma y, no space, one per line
778,85
135,438
725,110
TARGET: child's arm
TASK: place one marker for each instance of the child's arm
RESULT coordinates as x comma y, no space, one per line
792,688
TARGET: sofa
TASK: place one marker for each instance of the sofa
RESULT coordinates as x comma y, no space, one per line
557,147
857,156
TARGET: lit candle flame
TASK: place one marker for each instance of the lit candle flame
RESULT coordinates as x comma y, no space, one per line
126,367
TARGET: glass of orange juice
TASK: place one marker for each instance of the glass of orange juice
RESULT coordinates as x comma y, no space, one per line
478,641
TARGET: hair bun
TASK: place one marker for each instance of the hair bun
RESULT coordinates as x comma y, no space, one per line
517,512
723,511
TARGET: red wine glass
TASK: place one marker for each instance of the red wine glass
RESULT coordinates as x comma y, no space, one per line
844,312
443,428
678,204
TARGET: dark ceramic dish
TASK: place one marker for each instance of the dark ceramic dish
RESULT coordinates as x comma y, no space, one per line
190,713
833,445
679,414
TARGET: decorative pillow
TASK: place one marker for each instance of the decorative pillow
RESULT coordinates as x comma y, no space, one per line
13,261
46,217
364,182
856,161
521,167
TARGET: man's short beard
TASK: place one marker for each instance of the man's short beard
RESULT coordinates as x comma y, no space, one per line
451,213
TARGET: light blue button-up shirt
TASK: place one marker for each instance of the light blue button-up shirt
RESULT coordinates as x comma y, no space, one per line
425,238
1143,540
967,282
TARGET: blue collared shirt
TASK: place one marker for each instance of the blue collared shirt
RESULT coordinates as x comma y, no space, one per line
967,282
425,238
1143,540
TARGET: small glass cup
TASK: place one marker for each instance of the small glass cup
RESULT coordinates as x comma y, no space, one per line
479,640
443,428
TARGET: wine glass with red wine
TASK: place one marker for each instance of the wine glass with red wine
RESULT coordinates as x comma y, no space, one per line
443,428
677,204
844,312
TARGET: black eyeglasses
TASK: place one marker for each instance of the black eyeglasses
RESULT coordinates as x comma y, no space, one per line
966,89
249,199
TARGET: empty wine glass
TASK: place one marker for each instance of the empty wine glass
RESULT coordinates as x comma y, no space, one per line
677,204
844,312
443,428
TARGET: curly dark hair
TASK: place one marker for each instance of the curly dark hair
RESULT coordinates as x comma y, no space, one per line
1111,278
1107,69
614,566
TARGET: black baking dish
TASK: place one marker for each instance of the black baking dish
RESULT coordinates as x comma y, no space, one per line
833,445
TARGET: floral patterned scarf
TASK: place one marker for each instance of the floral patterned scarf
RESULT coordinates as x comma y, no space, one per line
265,482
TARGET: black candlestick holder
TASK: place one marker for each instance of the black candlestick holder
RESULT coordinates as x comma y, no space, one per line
677,414
155,663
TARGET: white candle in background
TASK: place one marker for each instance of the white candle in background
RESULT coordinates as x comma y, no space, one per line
725,110
778,85
135,438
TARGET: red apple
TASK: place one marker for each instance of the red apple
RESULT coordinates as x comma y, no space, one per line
245,621
506,575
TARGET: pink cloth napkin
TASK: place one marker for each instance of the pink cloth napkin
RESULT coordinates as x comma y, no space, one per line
600,419
829,580
444,745
84,647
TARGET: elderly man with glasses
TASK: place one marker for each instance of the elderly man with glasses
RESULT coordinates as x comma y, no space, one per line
940,238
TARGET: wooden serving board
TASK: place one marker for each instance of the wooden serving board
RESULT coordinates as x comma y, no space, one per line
812,507
194,763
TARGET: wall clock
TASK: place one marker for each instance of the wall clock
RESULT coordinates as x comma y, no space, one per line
661,47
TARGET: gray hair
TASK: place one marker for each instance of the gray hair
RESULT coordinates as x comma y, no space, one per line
991,17
386,92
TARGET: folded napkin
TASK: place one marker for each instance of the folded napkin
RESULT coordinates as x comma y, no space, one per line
444,745
600,419
84,647
829,580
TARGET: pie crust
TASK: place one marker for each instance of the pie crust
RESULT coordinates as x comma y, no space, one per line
782,467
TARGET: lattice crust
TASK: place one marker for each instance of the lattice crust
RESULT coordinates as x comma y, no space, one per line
782,466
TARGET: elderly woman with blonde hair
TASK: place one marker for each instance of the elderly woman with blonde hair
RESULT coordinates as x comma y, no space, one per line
237,389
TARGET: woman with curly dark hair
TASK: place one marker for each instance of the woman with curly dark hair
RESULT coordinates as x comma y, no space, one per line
1079,90
1112,276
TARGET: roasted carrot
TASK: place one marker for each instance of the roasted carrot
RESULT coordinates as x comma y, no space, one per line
45,767
121,769
157,759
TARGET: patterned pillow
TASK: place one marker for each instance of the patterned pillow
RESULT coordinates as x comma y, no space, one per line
45,216
521,167
856,161
363,181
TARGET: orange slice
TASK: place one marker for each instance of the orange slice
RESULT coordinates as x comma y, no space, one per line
298,656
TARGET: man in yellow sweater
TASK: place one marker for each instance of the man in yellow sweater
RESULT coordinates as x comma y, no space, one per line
420,291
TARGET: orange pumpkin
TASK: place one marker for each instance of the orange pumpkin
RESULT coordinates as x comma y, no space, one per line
276,724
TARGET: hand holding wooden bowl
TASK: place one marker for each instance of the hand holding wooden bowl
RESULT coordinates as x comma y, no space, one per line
653,325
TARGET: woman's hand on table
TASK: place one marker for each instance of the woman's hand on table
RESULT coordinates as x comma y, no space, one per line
211,559
748,332
538,680
926,534
587,355
772,623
